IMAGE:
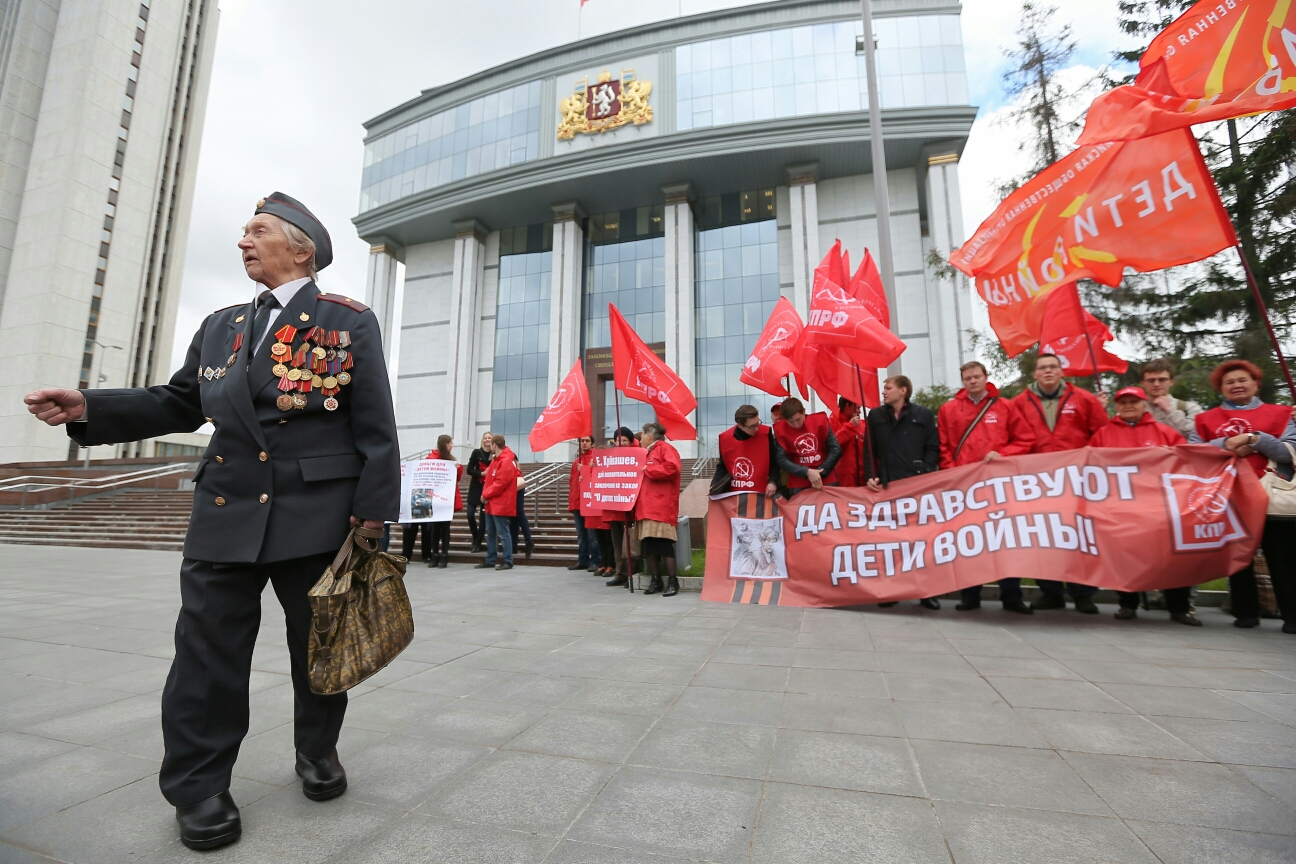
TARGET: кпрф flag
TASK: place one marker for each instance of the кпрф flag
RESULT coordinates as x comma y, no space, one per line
640,374
567,415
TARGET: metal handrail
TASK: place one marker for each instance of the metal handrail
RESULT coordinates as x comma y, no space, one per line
41,482
704,456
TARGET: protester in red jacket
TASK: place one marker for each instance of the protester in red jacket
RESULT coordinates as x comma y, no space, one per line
657,510
855,467
1063,417
805,447
499,491
978,426
587,554
441,530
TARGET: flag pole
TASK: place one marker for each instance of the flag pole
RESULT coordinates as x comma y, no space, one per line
881,195
1264,313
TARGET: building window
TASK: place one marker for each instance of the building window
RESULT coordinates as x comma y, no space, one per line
521,379
478,136
625,264
737,285
813,69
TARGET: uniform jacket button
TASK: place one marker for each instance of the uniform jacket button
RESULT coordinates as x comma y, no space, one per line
264,497
220,459
263,456
220,502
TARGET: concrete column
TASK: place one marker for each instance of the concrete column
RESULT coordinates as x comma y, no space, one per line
681,306
805,239
948,299
565,306
466,282
380,296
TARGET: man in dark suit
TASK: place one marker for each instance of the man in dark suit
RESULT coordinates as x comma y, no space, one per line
304,447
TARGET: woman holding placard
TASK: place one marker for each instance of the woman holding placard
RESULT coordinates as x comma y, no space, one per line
441,530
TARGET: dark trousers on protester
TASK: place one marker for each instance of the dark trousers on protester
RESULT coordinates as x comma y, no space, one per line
499,542
205,701
519,524
606,554
1279,545
440,537
1053,588
476,516
583,545
408,531
1009,590
1178,601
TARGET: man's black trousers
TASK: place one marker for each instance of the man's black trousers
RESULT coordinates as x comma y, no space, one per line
205,702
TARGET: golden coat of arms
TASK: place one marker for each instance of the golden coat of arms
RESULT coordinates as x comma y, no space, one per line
605,105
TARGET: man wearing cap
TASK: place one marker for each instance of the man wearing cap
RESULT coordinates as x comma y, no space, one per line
304,447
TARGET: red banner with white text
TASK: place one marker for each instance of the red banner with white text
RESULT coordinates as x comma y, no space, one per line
1125,519
611,481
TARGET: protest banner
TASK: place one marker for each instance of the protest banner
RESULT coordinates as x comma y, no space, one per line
610,483
427,490
1130,520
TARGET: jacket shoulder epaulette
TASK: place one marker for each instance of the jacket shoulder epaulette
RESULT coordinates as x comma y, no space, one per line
353,305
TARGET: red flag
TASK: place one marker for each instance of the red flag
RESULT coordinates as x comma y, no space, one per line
1220,59
1075,336
1147,204
769,362
866,287
567,415
838,319
640,374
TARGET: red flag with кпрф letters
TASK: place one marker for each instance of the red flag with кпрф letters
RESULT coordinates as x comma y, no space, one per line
567,415
639,373
1147,205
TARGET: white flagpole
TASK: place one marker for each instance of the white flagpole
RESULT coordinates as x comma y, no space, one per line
886,264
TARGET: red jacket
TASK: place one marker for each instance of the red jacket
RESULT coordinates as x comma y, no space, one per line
1079,416
573,483
458,505
659,494
1147,432
499,486
853,467
1002,429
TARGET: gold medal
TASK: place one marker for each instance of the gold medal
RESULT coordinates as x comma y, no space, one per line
330,382
319,352
344,378
294,374
280,370
317,381
279,349
298,401
305,317
330,404
284,403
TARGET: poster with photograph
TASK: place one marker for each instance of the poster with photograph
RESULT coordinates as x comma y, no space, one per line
427,490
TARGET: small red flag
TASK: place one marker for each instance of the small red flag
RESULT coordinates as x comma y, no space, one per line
866,287
770,361
1077,338
640,374
567,415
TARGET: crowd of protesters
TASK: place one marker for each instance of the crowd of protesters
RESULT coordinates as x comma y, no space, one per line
901,439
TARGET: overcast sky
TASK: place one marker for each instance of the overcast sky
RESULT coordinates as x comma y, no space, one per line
294,80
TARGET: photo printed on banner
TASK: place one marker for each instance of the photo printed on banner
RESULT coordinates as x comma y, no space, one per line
757,550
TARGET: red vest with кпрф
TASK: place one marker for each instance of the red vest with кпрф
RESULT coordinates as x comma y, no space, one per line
807,446
746,461
1224,422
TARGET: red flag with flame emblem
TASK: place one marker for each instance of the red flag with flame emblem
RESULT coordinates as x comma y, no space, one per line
640,374
769,362
1077,338
1220,59
1146,204
567,415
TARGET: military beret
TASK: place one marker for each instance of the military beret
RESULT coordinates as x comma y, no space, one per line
294,212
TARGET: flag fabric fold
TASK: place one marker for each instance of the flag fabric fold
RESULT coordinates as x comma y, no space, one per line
840,320
1075,336
640,374
770,362
568,414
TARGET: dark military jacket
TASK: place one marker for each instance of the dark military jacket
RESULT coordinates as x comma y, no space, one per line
274,484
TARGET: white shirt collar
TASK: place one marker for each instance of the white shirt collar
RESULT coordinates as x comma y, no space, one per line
285,292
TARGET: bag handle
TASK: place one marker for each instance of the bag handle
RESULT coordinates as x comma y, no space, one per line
963,440
1273,466
359,537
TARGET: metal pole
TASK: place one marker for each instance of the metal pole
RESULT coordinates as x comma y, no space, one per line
881,196
1264,313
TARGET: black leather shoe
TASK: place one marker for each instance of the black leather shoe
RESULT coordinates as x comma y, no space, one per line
322,779
619,582
889,604
672,586
968,606
445,561
654,586
593,568
1246,623
210,823
530,547
1190,619
476,547
1086,606
1019,607
578,567
930,603
1125,613
1047,602
483,566
1289,627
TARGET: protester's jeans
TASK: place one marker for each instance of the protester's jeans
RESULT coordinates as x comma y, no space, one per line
1178,601
497,534
1054,588
582,541
1009,590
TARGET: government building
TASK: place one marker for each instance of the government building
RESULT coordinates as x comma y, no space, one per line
690,171
101,110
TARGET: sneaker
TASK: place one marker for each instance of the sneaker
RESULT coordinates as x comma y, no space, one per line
1246,623
1190,619
968,605
1019,607
1125,613
1046,602
1085,606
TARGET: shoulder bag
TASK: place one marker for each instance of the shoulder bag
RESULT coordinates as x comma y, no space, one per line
963,440
1282,493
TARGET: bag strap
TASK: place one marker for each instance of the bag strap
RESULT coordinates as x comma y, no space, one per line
1273,466
963,440
366,539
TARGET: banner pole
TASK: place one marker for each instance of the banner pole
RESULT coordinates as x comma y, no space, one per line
1264,313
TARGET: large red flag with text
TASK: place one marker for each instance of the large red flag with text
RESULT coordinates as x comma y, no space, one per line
769,362
1076,337
567,415
1220,59
640,374
1146,205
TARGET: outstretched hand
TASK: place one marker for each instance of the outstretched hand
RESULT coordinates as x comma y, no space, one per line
56,406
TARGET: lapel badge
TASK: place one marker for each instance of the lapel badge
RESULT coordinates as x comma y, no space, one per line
208,373
305,316
239,320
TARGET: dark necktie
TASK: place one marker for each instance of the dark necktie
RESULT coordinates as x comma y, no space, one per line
266,302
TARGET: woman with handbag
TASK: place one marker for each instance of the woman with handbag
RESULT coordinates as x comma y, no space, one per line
441,530
1264,436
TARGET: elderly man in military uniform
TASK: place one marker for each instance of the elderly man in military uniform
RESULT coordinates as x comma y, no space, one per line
304,447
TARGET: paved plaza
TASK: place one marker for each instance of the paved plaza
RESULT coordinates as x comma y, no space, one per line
540,716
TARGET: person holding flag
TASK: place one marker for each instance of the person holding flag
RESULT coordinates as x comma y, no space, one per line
622,526
805,447
587,555
747,460
856,466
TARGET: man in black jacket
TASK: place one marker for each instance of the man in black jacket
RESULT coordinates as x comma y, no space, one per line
478,462
304,447
905,441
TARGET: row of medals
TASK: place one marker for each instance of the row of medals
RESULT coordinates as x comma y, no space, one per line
321,366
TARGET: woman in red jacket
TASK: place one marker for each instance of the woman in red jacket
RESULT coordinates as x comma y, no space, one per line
657,510
499,491
441,530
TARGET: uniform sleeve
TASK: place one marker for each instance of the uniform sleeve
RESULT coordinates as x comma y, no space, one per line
373,425
1021,437
114,416
945,432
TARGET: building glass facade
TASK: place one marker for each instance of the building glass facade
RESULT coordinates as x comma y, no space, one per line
480,135
520,389
625,265
737,285
813,69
